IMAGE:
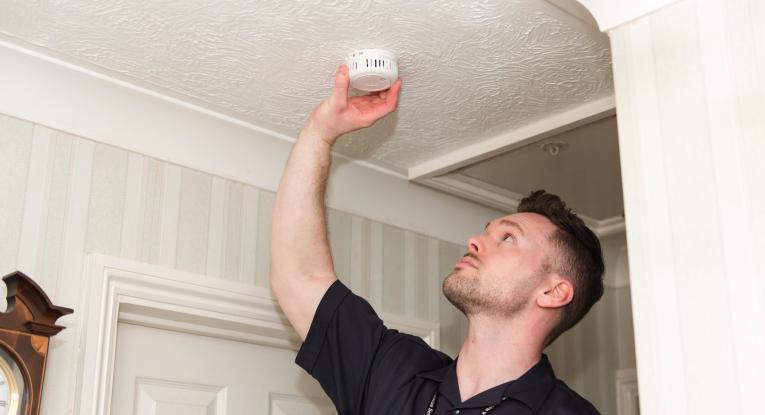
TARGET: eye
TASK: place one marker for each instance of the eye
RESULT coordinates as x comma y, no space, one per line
508,238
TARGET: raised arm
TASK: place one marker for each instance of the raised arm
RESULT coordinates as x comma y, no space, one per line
301,262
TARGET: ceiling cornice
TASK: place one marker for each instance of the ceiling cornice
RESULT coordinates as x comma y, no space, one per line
62,95
555,124
507,201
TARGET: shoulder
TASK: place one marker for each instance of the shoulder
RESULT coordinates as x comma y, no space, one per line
401,360
565,401
400,342
409,353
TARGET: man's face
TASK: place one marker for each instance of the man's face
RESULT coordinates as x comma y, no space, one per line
503,266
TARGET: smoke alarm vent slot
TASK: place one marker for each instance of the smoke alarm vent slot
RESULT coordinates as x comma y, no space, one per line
372,69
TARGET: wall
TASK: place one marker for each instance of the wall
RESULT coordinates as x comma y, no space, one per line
588,356
691,130
66,196
154,187
62,192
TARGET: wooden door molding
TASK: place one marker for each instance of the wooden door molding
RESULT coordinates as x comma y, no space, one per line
120,290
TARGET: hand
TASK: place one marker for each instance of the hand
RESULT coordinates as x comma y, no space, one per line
340,114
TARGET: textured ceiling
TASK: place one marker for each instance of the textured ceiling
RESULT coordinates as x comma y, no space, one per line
471,69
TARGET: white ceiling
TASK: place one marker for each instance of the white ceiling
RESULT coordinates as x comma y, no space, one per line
473,70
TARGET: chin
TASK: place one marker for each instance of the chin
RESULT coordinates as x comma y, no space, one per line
460,290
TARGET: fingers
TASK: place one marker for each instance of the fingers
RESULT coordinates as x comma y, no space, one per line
391,95
342,80
383,103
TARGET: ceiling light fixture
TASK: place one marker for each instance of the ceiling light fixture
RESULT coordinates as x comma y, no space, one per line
372,70
554,148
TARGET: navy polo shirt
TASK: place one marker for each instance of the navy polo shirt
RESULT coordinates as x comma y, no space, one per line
366,368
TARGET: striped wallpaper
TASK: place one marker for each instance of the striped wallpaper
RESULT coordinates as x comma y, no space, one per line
66,196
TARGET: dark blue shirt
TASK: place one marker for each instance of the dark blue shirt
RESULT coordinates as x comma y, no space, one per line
366,368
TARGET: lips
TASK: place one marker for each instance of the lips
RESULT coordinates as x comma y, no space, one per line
466,261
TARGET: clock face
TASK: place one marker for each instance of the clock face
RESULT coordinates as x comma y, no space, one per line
5,394
11,385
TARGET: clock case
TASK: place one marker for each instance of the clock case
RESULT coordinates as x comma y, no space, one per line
25,330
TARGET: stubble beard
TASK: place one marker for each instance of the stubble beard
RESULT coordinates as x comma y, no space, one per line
466,293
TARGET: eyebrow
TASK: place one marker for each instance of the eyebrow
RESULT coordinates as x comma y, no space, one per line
508,222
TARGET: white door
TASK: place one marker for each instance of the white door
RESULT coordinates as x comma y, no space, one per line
166,372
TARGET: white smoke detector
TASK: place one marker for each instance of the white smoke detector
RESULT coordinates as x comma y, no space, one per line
372,69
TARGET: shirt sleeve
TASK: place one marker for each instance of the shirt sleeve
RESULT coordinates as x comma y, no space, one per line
344,346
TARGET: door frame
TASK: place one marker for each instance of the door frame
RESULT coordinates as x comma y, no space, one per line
627,392
120,290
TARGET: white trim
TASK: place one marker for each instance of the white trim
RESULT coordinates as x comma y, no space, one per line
584,114
627,392
41,88
607,227
576,10
507,201
468,187
130,291
611,14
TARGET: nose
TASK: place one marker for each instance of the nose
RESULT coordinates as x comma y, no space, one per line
475,245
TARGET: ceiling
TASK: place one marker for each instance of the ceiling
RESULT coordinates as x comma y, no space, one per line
561,164
474,72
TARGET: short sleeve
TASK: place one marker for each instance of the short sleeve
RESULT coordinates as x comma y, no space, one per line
359,362
341,345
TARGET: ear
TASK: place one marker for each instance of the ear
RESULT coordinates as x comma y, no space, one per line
557,292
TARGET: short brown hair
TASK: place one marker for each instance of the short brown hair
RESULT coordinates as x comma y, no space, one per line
580,260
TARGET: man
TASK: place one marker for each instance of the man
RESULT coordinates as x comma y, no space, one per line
526,279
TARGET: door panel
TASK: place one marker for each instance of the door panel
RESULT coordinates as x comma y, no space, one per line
164,372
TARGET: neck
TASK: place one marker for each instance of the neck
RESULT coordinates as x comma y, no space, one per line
495,351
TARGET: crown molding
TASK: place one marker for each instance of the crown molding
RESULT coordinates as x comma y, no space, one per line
93,103
555,124
507,201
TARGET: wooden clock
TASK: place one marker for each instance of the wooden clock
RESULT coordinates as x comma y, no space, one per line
25,330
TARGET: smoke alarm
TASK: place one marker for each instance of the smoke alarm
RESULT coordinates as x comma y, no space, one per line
372,69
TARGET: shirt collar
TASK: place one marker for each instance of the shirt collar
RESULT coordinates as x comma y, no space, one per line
532,388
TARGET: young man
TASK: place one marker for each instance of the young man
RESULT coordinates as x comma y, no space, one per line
523,281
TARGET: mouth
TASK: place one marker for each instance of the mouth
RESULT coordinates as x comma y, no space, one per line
466,262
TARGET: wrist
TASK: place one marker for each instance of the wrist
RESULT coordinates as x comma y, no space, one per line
317,131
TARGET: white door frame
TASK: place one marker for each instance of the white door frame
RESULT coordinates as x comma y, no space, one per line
120,290
627,392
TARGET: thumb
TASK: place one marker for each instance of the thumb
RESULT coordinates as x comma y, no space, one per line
340,92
